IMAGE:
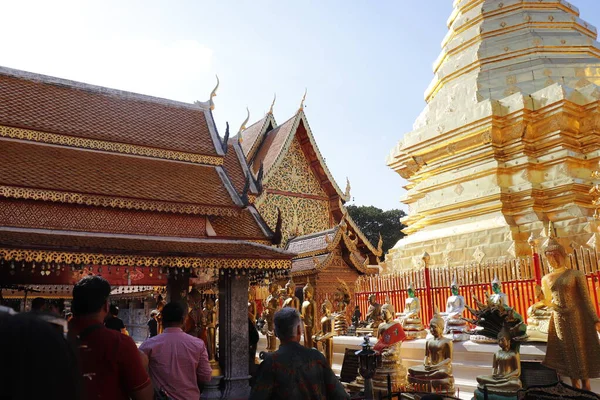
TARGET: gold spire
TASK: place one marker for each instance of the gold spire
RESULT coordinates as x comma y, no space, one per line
213,94
302,101
272,104
347,191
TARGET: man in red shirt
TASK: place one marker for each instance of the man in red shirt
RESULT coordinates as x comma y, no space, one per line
178,362
111,364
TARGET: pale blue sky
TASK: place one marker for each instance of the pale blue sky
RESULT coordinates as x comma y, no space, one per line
366,64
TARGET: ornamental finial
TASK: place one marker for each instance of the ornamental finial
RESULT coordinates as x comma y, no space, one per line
302,101
272,104
243,126
347,191
213,94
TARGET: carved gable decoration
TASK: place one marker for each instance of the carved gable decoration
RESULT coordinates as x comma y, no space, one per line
295,174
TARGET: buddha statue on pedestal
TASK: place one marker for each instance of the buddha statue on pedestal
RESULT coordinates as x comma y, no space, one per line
309,314
268,314
410,318
373,316
498,297
436,371
291,300
390,335
573,346
455,307
326,334
341,299
538,318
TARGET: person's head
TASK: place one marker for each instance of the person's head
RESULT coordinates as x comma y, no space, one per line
114,310
38,304
172,315
288,325
90,297
37,351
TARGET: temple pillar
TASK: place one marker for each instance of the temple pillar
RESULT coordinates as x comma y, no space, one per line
177,286
233,334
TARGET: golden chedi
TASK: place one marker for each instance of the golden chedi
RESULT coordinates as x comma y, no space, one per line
573,347
436,372
410,318
326,334
510,113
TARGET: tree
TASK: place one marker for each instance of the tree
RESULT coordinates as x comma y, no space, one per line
373,221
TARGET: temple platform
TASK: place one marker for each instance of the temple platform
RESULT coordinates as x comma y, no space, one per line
470,359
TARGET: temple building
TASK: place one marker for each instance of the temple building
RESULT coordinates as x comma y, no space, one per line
508,138
297,192
131,187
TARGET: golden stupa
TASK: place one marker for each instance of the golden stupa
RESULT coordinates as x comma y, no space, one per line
509,136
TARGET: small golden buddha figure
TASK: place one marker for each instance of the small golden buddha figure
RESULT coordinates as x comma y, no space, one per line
291,300
309,313
455,307
373,316
507,369
271,307
390,337
326,334
210,316
436,371
252,304
342,299
538,318
498,297
410,318
573,346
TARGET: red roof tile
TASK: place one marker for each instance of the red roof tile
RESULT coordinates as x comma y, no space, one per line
244,226
310,243
307,264
271,146
56,106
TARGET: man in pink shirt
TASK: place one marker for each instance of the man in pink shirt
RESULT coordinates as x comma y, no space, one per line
178,362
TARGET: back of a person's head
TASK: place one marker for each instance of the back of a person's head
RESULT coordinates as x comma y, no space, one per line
39,362
172,314
114,310
89,295
38,304
286,320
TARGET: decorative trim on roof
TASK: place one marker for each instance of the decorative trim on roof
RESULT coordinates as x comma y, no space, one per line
113,147
319,266
141,261
212,129
377,251
115,202
259,138
332,243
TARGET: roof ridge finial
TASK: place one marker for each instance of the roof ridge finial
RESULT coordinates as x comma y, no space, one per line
213,94
243,126
272,104
302,101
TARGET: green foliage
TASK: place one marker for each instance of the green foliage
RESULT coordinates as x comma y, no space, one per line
372,221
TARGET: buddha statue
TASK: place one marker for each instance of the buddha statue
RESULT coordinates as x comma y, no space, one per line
506,365
538,318
326,334
436,371
390,337
341,299
498,297
455,307
252,304
291,300
309,313
410,318
268,314
356,317
573,346
373,316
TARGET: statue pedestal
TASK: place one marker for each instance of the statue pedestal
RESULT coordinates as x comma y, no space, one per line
478,395
414,335
211,390
444,386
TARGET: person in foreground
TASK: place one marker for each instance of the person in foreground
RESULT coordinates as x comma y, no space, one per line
295,372
178,362
111,364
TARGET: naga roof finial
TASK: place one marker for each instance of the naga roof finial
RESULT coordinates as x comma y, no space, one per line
302,101
243,126
347,191
272,104
213,94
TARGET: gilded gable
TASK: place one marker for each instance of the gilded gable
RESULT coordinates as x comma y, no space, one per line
294,174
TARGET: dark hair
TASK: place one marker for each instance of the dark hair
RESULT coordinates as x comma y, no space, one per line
286,321
172,314
38,304
36,350
114,310
89,295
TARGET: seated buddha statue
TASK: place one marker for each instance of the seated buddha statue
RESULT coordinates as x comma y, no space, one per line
498,297
373,316
436,371
410,318
507,370
538,318
455,307
390,337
